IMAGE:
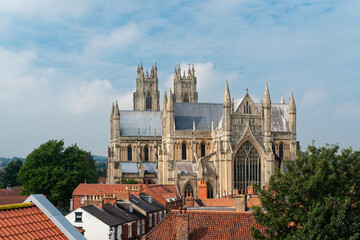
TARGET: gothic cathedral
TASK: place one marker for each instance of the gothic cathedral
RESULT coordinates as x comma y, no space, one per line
228,145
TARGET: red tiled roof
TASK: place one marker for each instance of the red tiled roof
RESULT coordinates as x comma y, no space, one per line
219,202
207,225
162,192
229,202
26,221
97,189
11,196
101,180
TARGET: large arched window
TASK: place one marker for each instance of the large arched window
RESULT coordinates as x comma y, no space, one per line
188,191
148,101
183,151
210,191
146,153
129,153
186,97
247,167
202,150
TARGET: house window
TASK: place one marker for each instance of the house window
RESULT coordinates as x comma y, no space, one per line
129,153
119,231
78,217
143,226
164,213
82,200
150,220
202,149
129,230
146,153
183,151
155,218
138,227
148,101
160,216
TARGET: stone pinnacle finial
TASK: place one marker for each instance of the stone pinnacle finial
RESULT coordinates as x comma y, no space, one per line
227,98
164,101
170,102
116,113
267,100
112,109
292,107
282,101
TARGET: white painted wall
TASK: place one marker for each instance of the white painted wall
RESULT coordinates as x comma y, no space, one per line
94,228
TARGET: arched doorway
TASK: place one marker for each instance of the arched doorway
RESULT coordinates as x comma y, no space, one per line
247,167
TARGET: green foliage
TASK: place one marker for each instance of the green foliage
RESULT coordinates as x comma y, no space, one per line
128,181
101,169
11,171
55,172
319,197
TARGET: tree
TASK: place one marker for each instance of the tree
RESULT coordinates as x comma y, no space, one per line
55,171
11,173
318,198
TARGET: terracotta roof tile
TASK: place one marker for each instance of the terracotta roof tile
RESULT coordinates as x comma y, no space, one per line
11,196
97,189
26,221
207,225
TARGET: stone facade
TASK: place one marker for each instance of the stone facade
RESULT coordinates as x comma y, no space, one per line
227,146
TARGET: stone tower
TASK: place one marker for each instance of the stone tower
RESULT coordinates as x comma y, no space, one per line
146,97
185,86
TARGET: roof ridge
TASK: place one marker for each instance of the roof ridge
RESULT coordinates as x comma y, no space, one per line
16,206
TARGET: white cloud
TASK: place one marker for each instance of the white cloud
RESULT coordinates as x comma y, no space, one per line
19,75
88,96
115,40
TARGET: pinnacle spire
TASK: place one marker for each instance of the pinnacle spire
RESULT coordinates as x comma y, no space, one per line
170,102
227,98
164,101
292,107
112,109
282,101
267,100
116,113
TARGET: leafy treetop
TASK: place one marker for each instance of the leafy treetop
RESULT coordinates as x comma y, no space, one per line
318,198
56,171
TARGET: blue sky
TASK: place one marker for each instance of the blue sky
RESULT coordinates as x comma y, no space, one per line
63,62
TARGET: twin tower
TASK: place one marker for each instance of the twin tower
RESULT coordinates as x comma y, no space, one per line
147,97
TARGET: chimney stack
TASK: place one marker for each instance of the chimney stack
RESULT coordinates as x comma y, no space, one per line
182,225
240,201
189,200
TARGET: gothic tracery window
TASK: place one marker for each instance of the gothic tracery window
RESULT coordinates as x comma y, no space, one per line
186,97
202,149
281,151
247,167
146,153
129,153
183,151
188,190
148,101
